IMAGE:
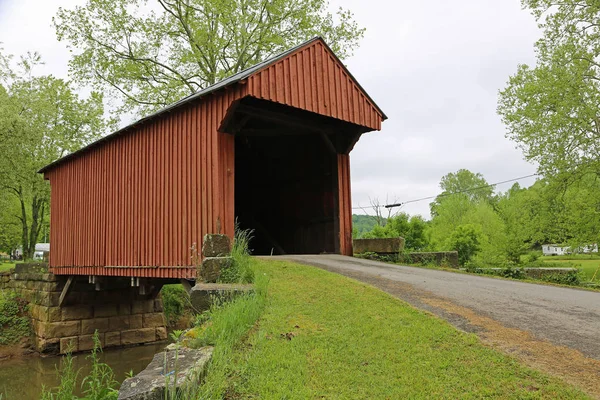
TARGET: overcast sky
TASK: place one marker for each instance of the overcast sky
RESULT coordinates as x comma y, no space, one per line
434,67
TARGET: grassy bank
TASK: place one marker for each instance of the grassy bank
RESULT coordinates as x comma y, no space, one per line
6,266
587,264
323,335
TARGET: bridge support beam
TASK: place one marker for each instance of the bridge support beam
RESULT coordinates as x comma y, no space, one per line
119,312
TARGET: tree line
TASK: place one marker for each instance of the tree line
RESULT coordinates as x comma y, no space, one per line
494,229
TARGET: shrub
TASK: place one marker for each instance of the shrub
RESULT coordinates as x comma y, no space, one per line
465,240
14,321
176,302
571,278
532,257
241,270
512,272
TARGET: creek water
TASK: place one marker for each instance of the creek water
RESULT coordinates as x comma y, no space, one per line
23,379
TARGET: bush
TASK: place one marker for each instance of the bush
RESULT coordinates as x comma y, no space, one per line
240,270
512,272
176,302
532,257
465,240
572,278
14,321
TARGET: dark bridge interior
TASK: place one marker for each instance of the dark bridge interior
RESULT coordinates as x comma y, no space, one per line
286,182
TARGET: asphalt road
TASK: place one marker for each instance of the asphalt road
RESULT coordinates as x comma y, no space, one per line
563,316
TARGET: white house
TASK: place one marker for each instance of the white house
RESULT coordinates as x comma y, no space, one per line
558,250
38,254
554,250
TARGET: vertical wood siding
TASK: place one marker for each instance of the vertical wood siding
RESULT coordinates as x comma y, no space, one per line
313,80
145,198
345,204
136,204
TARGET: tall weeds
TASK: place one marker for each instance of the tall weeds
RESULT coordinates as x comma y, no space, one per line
225,327
241,270
98,385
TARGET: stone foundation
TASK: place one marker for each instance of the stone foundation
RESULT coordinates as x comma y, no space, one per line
121,315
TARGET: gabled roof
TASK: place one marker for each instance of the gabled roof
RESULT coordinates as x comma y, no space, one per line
240,76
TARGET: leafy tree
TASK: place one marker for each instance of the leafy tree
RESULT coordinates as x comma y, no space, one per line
450,213
465,240
362,224
41,119
151,54
471,186
552,109
412,229
10,226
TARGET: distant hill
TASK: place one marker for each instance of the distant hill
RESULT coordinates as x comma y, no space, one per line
362,223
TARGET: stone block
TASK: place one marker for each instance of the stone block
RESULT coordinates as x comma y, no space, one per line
150,384
70,313
154,320
105,310
142,306
89,326
51,299
211,268
112,339
161,333
39,328
62,329
31,268
48,346
203,295
86,342
379,246
124,308
136,321
86,297
54,314
216,245
137,336
158,305
119,323
39,313
69,344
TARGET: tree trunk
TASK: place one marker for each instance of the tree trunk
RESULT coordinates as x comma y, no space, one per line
25,234
34,231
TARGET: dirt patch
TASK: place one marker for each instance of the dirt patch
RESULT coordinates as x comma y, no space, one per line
22,349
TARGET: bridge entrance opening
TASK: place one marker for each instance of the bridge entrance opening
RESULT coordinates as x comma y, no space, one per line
286,182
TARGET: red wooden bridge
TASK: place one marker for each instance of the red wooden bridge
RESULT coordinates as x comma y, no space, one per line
269,146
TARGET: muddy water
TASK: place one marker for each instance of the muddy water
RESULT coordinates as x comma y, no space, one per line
23,379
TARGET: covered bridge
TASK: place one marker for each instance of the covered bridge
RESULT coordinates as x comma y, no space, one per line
269,146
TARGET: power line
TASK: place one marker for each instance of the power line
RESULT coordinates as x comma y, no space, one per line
449,194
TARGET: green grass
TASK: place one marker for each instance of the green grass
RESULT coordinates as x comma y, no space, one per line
6,266
322,335
587,264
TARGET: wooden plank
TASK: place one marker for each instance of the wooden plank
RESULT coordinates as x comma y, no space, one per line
65,291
